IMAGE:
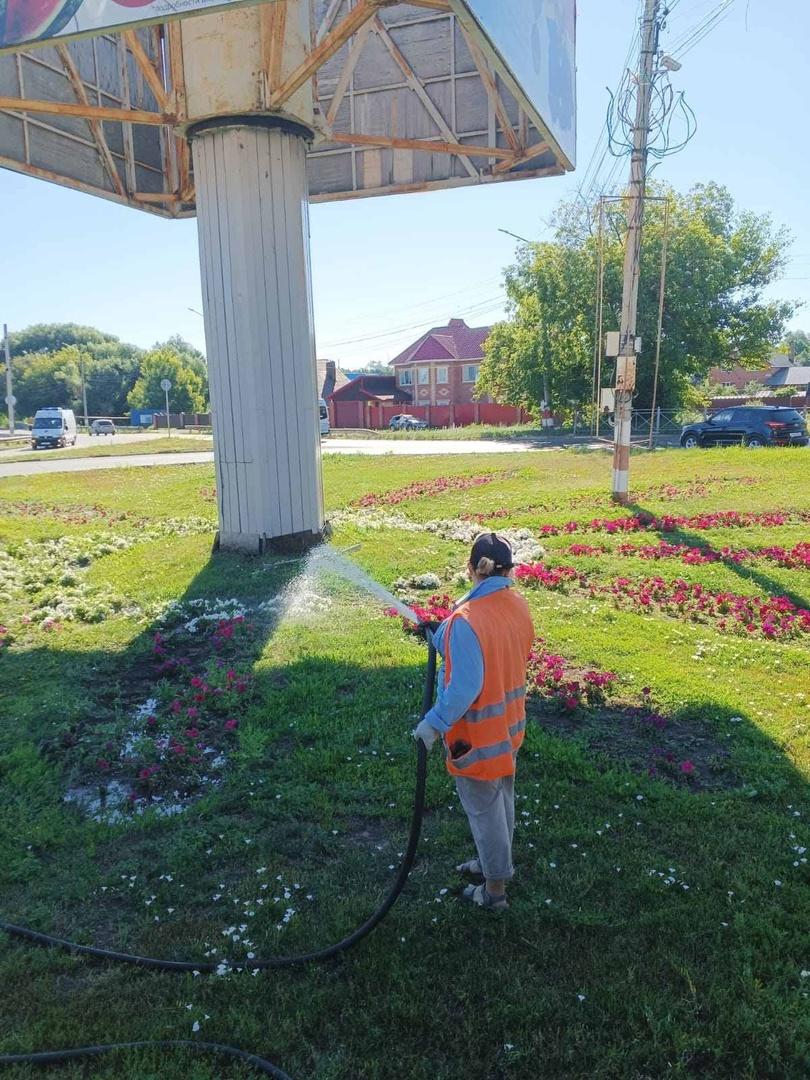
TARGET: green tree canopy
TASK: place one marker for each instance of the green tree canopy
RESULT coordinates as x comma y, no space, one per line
111,368
720,261
188,392
48,379
797,346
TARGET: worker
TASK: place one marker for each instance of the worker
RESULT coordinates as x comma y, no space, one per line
480,710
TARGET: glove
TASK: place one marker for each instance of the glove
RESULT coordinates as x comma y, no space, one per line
426,733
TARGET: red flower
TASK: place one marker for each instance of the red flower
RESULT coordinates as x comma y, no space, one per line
103,764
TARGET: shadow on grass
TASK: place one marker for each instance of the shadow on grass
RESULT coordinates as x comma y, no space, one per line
318,788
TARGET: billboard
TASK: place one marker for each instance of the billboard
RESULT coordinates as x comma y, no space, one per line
536,42
23,22
419,99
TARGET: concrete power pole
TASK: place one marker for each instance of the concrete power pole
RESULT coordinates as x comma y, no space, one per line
626,360
10,402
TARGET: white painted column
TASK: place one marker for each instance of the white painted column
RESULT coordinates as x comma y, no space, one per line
252,210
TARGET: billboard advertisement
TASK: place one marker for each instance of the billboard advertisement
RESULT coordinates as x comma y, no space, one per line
25,22
536,41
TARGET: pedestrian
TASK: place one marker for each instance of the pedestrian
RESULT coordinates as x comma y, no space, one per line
480,710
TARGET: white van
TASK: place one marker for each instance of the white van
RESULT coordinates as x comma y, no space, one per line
53,427
323,411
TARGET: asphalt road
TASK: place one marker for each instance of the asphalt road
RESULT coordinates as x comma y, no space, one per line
373,447
82,441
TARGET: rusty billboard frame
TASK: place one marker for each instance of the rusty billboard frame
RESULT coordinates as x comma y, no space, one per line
409,98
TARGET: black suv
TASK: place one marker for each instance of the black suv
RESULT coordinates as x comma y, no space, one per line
748,425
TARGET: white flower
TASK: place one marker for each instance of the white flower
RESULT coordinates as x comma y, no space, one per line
195,1026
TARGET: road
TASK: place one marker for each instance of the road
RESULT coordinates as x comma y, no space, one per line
86,441
374,447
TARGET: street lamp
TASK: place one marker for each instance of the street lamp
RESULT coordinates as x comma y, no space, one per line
165,386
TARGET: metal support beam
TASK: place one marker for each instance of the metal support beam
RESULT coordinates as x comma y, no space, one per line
330,44
419,90
427,146
153,80
85,112
95,125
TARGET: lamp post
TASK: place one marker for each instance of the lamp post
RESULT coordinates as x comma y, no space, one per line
11,401
165,386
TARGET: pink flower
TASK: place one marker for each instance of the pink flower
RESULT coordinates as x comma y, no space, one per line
192,713
103,764
687,767
197,682
231,725
176,706
571,702
192,733
151,721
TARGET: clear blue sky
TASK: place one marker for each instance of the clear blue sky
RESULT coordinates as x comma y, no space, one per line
407,262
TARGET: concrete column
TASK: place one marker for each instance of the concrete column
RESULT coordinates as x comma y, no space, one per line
252,211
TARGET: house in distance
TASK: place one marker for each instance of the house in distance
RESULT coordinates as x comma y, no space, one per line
434,378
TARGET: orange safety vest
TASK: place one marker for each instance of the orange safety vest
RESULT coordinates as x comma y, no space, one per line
493,727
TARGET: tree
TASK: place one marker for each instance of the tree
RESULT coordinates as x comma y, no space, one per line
111,367
720,262
373,367
43,379
797,346
188,386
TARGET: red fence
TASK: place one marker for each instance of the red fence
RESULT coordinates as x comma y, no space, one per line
371,414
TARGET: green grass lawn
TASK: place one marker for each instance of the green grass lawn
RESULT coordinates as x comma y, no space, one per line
658,921
172,444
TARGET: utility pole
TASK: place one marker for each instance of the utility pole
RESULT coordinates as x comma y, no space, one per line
626,360
10,399
84,393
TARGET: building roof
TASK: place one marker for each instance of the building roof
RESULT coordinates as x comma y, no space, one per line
329,377
456,341
789,376
372,388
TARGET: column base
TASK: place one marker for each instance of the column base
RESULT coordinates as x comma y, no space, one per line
251,544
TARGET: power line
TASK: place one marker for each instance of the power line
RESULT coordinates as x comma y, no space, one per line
476,309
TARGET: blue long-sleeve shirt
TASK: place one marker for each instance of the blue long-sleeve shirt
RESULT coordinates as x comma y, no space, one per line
467,675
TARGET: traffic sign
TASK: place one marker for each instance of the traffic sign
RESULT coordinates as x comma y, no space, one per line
165,384
10,399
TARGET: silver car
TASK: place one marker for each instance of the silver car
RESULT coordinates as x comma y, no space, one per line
102,427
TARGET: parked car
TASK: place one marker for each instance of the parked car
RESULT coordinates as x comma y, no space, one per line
323,416
53,427
102,427
748,425
406,422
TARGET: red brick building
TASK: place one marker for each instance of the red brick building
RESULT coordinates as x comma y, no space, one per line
442,367
434,379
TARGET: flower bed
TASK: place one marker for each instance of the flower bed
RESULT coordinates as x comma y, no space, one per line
420,488
554,678
47,575
721,519
773,617
177,742
794,558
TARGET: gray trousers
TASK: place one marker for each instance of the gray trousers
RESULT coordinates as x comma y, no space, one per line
490,808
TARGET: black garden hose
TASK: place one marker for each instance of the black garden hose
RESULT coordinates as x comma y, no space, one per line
327,953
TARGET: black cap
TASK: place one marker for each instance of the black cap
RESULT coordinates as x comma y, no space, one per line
494,547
